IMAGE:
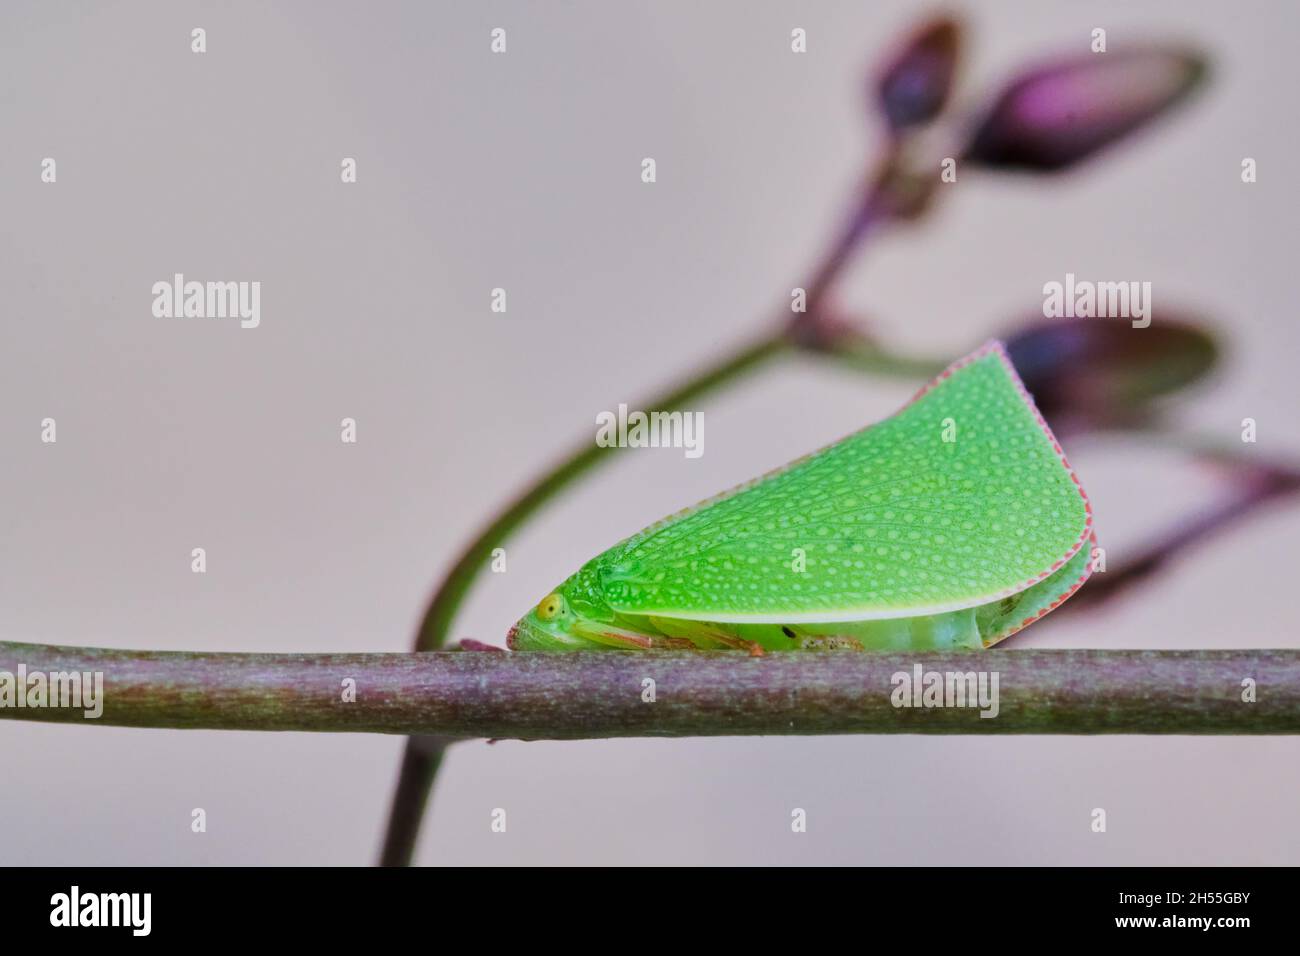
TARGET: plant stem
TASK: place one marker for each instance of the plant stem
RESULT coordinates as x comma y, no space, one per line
422,758
811,330
447,599
1257,486
600,694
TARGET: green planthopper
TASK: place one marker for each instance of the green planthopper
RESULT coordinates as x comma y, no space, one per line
952,524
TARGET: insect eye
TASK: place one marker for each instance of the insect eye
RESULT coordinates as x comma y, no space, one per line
551,607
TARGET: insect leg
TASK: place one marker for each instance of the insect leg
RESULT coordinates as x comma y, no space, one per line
706,636
611,636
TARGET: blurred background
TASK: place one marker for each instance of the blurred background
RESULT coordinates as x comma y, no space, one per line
522,171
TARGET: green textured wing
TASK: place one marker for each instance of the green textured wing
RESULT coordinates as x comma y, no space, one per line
961,498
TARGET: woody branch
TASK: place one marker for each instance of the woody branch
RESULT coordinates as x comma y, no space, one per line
607,694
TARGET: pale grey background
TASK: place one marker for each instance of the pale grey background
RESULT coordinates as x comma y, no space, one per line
522,171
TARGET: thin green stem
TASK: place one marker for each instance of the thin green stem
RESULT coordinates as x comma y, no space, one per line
422,757
446,601
811,330
420,765
863,355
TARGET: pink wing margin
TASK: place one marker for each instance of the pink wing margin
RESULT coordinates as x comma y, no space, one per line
1087,535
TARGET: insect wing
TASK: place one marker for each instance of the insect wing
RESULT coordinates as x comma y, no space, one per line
961,498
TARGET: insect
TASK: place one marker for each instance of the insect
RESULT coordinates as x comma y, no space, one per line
952,524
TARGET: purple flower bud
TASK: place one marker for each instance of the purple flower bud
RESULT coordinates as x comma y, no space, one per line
1054,116
1100,371
914,87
